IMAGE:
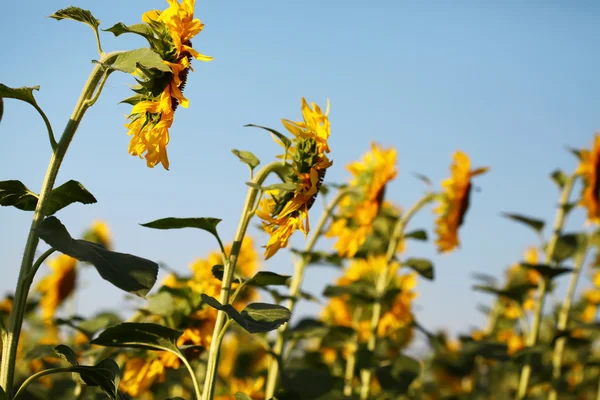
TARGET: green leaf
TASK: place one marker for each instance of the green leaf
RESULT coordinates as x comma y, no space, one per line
141,335
3,395
1,113
307,328
24,93
566,246
535,224
161,304
130,60
68,193
256,317
358,291
138,29
423,178
242,396
320,257
65,353
547,271
420,234
130,273
89,327
16,194
284,139
267,278
206,224
397,375
559,177
487,349
77,14
516,292
422,266
247,158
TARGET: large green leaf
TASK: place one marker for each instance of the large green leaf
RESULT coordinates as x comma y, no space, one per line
422,266
130,60
130,273
535,224
77,14
143,335
65,353
567,245
267,278
206,224
247,158
547,271
358,291
256,317
24,93
138,29
397,375
16,194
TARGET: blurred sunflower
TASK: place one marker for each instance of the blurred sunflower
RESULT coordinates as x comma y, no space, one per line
285,211
589,168
99,233
159,93
58,286
140,374
359,209
454,201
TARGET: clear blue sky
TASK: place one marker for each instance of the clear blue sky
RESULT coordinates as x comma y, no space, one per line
509,83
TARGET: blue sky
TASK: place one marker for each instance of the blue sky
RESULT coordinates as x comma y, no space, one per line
509,83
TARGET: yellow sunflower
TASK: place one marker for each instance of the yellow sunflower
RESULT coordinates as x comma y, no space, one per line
285,211
140,374
589,168
99,233
455,201
159,93
58,286
358,212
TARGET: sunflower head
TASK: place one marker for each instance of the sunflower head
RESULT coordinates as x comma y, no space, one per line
589,168
454,201
159,92
99,233
359,210
58,286
284,210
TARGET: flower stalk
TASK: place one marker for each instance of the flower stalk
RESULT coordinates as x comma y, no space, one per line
563,317
11,338
382,283
229,269
351,362
543,285
295,287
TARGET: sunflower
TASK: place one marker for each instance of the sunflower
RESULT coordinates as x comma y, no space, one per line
140,374
58,286
284,211
454,201
159,93
359,210
589,168
99,233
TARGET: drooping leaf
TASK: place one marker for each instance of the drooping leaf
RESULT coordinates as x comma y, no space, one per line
516,292
267,278
139,29
24,93
559,177
15,194
358,291
77,14
422,266
247,158
397,375
284,139
129,61
143,335
65,353
419,234
130,273
256,317
566,246
547,271
535,224
206,224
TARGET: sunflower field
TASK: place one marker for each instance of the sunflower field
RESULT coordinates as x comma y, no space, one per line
228,327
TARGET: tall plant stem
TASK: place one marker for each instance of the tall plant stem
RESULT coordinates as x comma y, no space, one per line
563,318
228,272
15,322
295,286
532,338
382,283
351,362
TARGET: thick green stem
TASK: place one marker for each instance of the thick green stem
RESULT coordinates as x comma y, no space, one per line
381,285
9,345
351,362
295,286
247,214
543,286
563,319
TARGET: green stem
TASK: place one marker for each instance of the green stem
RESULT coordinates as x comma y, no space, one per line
382,283
39,375
229,269
351,362
192,375
543,285
295,286
563,319
9,346
53,143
